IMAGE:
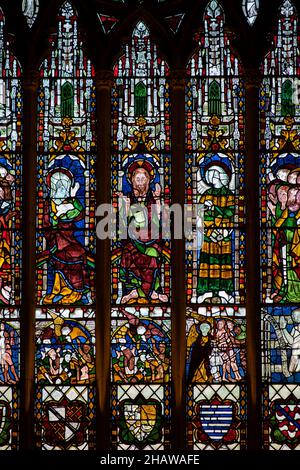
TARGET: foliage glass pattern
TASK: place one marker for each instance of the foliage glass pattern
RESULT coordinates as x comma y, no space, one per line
65,318
11,106
215,259
141,177
280,246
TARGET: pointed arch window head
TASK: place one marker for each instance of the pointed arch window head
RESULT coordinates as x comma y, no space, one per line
287,8
214,10
67,10
141,77
141,31
250,10
214,40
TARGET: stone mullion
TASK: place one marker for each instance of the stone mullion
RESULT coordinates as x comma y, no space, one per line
104,83
254,438
30,86
178,284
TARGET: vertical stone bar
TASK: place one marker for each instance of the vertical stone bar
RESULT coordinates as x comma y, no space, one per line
104,83
30,85
178,261
253,259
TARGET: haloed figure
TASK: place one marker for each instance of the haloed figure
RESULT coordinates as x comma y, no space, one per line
67,258
200,348
141,258
284,206
215,281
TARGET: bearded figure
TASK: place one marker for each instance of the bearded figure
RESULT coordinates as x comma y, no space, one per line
284,206
141,256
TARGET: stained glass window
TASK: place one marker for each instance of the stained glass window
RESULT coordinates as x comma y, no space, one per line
141,316
107,22
215,260
65,316
10,239
279,186
30,10
174,22
250,10
171,371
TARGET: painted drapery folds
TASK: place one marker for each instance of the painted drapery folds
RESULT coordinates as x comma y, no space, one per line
216,318
65,318
280,243
11,105
140,268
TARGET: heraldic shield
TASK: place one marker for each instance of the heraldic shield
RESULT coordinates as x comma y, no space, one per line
5,422
140,422
65,423
285,422
216,422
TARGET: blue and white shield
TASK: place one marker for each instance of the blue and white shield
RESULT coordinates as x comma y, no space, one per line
216,419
